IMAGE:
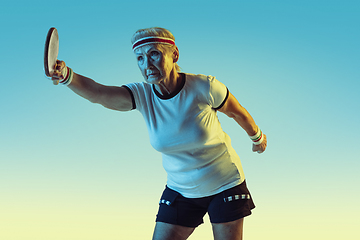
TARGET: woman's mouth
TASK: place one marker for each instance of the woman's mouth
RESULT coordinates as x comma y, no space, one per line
152,74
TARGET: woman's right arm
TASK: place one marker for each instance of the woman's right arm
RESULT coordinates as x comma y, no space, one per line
115,98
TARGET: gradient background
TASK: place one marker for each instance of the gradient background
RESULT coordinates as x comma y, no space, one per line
69,169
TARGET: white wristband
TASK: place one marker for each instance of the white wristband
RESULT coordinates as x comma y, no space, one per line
257,135
69,74
258,138
64,72
261,139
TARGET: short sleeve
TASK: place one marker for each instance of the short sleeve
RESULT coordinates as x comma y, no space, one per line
132,97
141,94
218,93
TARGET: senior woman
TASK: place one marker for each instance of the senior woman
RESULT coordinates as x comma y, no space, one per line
204,173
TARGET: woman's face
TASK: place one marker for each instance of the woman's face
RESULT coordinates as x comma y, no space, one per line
154,63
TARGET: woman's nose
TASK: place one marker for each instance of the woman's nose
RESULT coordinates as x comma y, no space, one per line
148,63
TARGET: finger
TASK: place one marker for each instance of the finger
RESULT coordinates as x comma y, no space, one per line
59,65
57,75
259,148
59,62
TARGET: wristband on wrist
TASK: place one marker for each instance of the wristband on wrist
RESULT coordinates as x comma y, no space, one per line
258,138
68,72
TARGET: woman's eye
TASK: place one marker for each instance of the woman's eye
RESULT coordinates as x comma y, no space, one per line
139,58
154,54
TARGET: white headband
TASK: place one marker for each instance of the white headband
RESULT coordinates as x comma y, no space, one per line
148,40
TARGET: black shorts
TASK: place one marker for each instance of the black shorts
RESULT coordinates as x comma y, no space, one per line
227,206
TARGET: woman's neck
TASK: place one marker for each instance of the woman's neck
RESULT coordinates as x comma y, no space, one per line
167,86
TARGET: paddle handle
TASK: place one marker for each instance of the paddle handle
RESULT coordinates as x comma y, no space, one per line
64,73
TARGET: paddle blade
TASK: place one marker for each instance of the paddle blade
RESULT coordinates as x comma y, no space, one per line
51,51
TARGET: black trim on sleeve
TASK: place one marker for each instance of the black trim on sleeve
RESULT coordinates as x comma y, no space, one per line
132,97
226,97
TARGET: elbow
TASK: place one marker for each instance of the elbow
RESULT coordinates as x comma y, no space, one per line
93,98
241,118
96,95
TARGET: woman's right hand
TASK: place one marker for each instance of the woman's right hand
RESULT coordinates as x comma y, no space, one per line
60,72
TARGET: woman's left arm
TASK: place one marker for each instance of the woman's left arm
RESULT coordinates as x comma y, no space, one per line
233,109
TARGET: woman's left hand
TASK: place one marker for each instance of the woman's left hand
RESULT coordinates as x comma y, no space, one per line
260,148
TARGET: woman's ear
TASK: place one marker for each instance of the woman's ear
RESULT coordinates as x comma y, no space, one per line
176,55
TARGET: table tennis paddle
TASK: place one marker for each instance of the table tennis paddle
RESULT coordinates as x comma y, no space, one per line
51,52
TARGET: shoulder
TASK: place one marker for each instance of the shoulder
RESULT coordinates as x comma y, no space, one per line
200,81
204,82
140,92
210,88
199,77
139,87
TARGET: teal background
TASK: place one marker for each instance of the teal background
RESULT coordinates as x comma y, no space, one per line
70,169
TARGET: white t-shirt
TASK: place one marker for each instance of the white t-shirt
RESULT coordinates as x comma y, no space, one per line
197,154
